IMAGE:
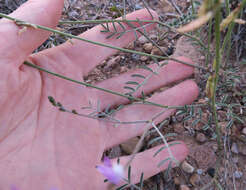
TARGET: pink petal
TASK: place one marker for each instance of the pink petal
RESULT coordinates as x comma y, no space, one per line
109,174
107,162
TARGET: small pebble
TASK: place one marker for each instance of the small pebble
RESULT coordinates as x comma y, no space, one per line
202,58
184,187
144,58
135,57
238,174
148,47
200,137
211,172
129,146
234,148
199,171
73,14
131,46
195,180
244,131
157,51
138,6
143,40
224,129
187,167
235,159
178,128
152,36
241,148
176,181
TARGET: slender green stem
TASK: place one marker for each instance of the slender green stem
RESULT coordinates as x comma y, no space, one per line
20,22
227,39
193,8
129,21
102,89
208,56
227,5
216,68
166,144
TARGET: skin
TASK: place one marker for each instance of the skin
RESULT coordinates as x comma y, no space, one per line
42,148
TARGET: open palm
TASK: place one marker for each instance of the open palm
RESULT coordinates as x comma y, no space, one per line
43,148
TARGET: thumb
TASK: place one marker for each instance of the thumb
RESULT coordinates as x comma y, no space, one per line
16,45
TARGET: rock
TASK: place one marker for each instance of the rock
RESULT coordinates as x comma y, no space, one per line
157,51
222,115
144,58
195,180
202,57
199,171
200,137
123,69
238,174
176,181
113,62
129,146
130,46
114,152
73,14
184,187
244,131
242,148
153,37
135,57
167,6
211,171
204,155
148,47
138,6
187,167
143,40
234,148
178,128
199,126
235,159
215,147
224,129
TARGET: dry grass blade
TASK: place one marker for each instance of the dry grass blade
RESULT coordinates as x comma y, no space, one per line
196,23
230,18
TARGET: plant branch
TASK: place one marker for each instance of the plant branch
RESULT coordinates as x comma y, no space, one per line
23,23
102,89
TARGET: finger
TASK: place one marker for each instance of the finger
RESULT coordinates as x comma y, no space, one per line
87,56
146,163
170,73
179,95
17,45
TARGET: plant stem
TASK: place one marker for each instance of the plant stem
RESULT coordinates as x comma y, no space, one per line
20,22
227,39
193,8
216,68
227,5
102,89
129,21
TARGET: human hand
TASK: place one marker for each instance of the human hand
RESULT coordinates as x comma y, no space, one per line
42,148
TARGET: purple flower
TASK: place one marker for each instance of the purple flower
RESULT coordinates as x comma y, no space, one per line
113,172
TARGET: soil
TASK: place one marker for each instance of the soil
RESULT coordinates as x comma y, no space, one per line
197,134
